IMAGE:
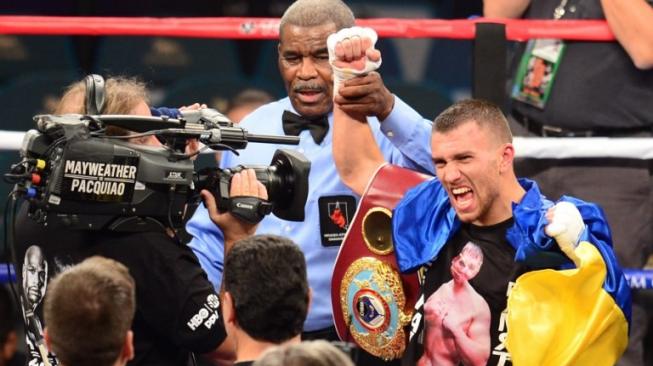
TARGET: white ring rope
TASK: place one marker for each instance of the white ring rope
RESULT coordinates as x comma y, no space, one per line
584,147
525,147
11,140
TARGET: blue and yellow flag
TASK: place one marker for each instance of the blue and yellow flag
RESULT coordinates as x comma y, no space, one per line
565,317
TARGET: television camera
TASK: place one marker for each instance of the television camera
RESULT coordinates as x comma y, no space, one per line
73,174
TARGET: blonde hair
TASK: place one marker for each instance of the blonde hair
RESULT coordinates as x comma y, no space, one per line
122,95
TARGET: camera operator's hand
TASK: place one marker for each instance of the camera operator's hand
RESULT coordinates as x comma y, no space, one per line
233,228
192,148
193,106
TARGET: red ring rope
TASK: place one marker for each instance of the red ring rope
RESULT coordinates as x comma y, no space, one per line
267,28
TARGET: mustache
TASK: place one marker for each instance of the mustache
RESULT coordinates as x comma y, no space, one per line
310,86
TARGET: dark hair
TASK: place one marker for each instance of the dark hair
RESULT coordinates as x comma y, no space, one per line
266,277
484,113
88,310
250,97
310,13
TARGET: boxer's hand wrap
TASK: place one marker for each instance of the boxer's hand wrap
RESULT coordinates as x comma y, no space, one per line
566,227
342,74
250,209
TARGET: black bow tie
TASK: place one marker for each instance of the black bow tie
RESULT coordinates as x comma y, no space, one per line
294,124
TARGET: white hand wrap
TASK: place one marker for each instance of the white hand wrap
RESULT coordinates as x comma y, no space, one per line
566,227
341,74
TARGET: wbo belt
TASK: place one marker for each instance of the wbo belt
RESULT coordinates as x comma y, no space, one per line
555,131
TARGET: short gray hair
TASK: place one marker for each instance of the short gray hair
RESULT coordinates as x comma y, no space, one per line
310,13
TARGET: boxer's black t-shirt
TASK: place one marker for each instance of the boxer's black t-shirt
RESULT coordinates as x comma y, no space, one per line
480,309
177,309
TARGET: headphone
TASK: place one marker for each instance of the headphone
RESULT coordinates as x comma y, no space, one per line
94,101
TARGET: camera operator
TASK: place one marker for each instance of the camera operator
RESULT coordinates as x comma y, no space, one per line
177,309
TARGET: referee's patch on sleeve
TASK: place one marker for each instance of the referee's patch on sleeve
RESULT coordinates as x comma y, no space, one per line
336,213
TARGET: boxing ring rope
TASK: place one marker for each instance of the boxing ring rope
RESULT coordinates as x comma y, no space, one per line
525,147
267,28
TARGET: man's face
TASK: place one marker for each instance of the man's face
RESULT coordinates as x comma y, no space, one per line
305,69
466,265
467,164
34,275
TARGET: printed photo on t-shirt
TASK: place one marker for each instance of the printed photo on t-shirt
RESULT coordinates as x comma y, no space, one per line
456,318
35,276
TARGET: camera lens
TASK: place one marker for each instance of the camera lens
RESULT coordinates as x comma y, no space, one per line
286,181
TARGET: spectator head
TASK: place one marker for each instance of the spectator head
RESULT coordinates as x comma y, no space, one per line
311,353
88,314
303,57
245,102
266,289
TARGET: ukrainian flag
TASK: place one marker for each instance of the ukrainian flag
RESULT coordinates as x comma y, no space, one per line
573,316
565,317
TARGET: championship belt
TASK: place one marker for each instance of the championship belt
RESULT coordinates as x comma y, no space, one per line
372,301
